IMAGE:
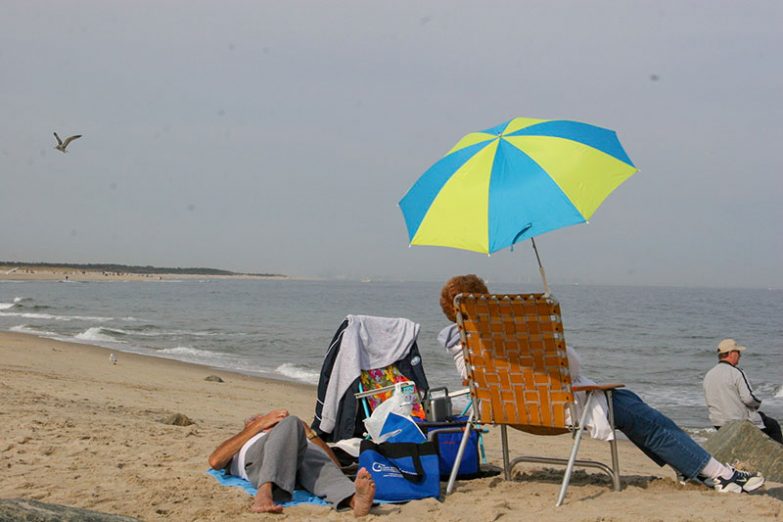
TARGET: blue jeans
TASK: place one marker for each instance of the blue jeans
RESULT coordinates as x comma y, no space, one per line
657,435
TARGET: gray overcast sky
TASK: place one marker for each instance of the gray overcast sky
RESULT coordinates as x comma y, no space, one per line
279,136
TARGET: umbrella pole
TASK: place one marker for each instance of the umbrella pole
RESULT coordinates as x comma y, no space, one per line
541,268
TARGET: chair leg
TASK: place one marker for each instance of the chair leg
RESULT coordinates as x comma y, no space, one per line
574,451
613,443
504,444
460,452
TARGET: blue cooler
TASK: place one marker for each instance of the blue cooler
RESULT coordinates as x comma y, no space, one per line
447,435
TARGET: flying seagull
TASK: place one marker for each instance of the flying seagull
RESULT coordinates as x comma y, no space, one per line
62,144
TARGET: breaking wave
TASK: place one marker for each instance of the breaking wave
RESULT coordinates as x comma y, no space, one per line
97,334
23,328
193,352
19,302
31,315
300,373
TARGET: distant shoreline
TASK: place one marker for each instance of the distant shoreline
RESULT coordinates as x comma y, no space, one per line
10,271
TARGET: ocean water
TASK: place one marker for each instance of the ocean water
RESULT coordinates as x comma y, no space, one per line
659,341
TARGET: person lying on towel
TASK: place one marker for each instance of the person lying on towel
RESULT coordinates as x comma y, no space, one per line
650,430
276,451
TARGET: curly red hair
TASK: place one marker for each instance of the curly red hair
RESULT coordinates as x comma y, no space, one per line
462,284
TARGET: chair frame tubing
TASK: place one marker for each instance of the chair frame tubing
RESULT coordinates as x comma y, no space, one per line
461,451
613,443
570,463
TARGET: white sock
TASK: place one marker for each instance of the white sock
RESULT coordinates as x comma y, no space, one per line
715,469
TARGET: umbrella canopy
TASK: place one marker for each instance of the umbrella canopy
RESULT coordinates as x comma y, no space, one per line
515,181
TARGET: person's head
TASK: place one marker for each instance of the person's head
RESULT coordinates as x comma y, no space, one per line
462,284
730,351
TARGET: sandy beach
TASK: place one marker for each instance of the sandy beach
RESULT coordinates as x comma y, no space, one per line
77,430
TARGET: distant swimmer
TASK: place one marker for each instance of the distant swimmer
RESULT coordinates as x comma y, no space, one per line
61,145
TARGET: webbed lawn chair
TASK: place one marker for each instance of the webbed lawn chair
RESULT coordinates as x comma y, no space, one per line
515,354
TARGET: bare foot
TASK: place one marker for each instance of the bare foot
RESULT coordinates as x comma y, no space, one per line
263,502
361,502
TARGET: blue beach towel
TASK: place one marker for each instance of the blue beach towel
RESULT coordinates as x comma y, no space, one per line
300,496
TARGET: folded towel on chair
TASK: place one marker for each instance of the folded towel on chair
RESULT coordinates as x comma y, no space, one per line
300,496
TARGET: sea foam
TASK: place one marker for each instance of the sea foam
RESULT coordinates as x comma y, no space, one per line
23,328
187,350
292,371
96,334
152,331
30,315
17,300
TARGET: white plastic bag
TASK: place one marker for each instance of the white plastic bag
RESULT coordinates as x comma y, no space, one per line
400,403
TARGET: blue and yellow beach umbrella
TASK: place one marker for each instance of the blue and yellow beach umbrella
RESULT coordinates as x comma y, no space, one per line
515,181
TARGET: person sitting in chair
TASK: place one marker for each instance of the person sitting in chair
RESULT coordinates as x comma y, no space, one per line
276,451
650,430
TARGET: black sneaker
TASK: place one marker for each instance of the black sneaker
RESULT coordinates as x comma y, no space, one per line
740,481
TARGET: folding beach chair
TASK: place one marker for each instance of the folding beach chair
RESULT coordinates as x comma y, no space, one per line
515,354
350,411
378,384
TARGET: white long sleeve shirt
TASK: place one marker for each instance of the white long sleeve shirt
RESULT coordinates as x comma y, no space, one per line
729,396
597,421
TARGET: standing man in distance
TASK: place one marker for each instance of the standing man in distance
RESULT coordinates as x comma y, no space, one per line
729,395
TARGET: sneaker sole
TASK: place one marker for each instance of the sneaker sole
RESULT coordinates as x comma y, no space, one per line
731,488
753,484
709,483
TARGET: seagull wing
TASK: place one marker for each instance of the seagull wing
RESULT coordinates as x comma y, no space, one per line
69,139
59,141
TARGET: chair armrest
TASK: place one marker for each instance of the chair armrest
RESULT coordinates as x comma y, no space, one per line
378,391
459,393
595,387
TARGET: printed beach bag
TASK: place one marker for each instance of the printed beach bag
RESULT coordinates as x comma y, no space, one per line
402,471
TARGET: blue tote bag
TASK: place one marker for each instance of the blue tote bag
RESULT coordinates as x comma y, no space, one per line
402,471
